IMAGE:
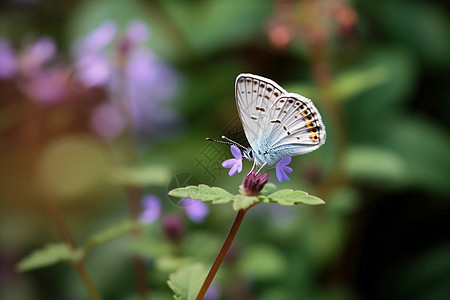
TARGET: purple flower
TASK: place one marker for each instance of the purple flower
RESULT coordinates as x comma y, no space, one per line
152,209
195,209
131,73
282,168
94,69
8,60
235,164
97,39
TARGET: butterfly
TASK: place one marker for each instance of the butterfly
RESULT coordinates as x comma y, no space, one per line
276,123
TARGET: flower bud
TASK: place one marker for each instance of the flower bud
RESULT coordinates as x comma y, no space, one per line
174,228
254,183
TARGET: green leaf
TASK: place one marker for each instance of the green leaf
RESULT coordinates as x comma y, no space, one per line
290,197
376,164
109,233
48,255
244,202
186,282
220,196
353,82
204,193
269,188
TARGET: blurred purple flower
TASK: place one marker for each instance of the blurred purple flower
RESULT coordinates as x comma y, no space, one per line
235,164
93,66
97,40
37,75
152,209
195,209
8,60
282,168
130,71
213,292
94,69
137,33
47,86
36,55
107,121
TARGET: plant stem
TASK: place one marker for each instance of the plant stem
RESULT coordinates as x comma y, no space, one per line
88,283
79,266
223,251
134,194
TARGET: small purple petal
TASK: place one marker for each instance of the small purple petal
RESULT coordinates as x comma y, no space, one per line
152,209
233,170
236,152
285,175
239,165
285,161
279,174
101,36
287,169
229,163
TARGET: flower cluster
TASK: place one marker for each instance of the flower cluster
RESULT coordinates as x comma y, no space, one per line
235,165
139,83
35,70
106,64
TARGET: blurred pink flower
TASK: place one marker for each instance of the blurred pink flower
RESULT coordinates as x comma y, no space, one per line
36,55
47,86
107,121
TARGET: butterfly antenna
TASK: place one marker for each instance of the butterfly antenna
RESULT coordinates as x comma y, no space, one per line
233,142
217,141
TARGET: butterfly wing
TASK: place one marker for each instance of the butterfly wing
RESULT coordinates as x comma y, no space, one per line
293,120
254,96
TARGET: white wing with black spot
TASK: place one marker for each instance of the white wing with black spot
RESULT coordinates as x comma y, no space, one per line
255,95
293,119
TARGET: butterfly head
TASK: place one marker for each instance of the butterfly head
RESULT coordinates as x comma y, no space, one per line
248,153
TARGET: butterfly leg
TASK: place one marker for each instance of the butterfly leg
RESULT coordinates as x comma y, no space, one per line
261,168
254,164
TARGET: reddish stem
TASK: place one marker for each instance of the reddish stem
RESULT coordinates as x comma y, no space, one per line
134,194
223,252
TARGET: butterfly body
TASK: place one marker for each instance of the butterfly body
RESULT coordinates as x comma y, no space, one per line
276,123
